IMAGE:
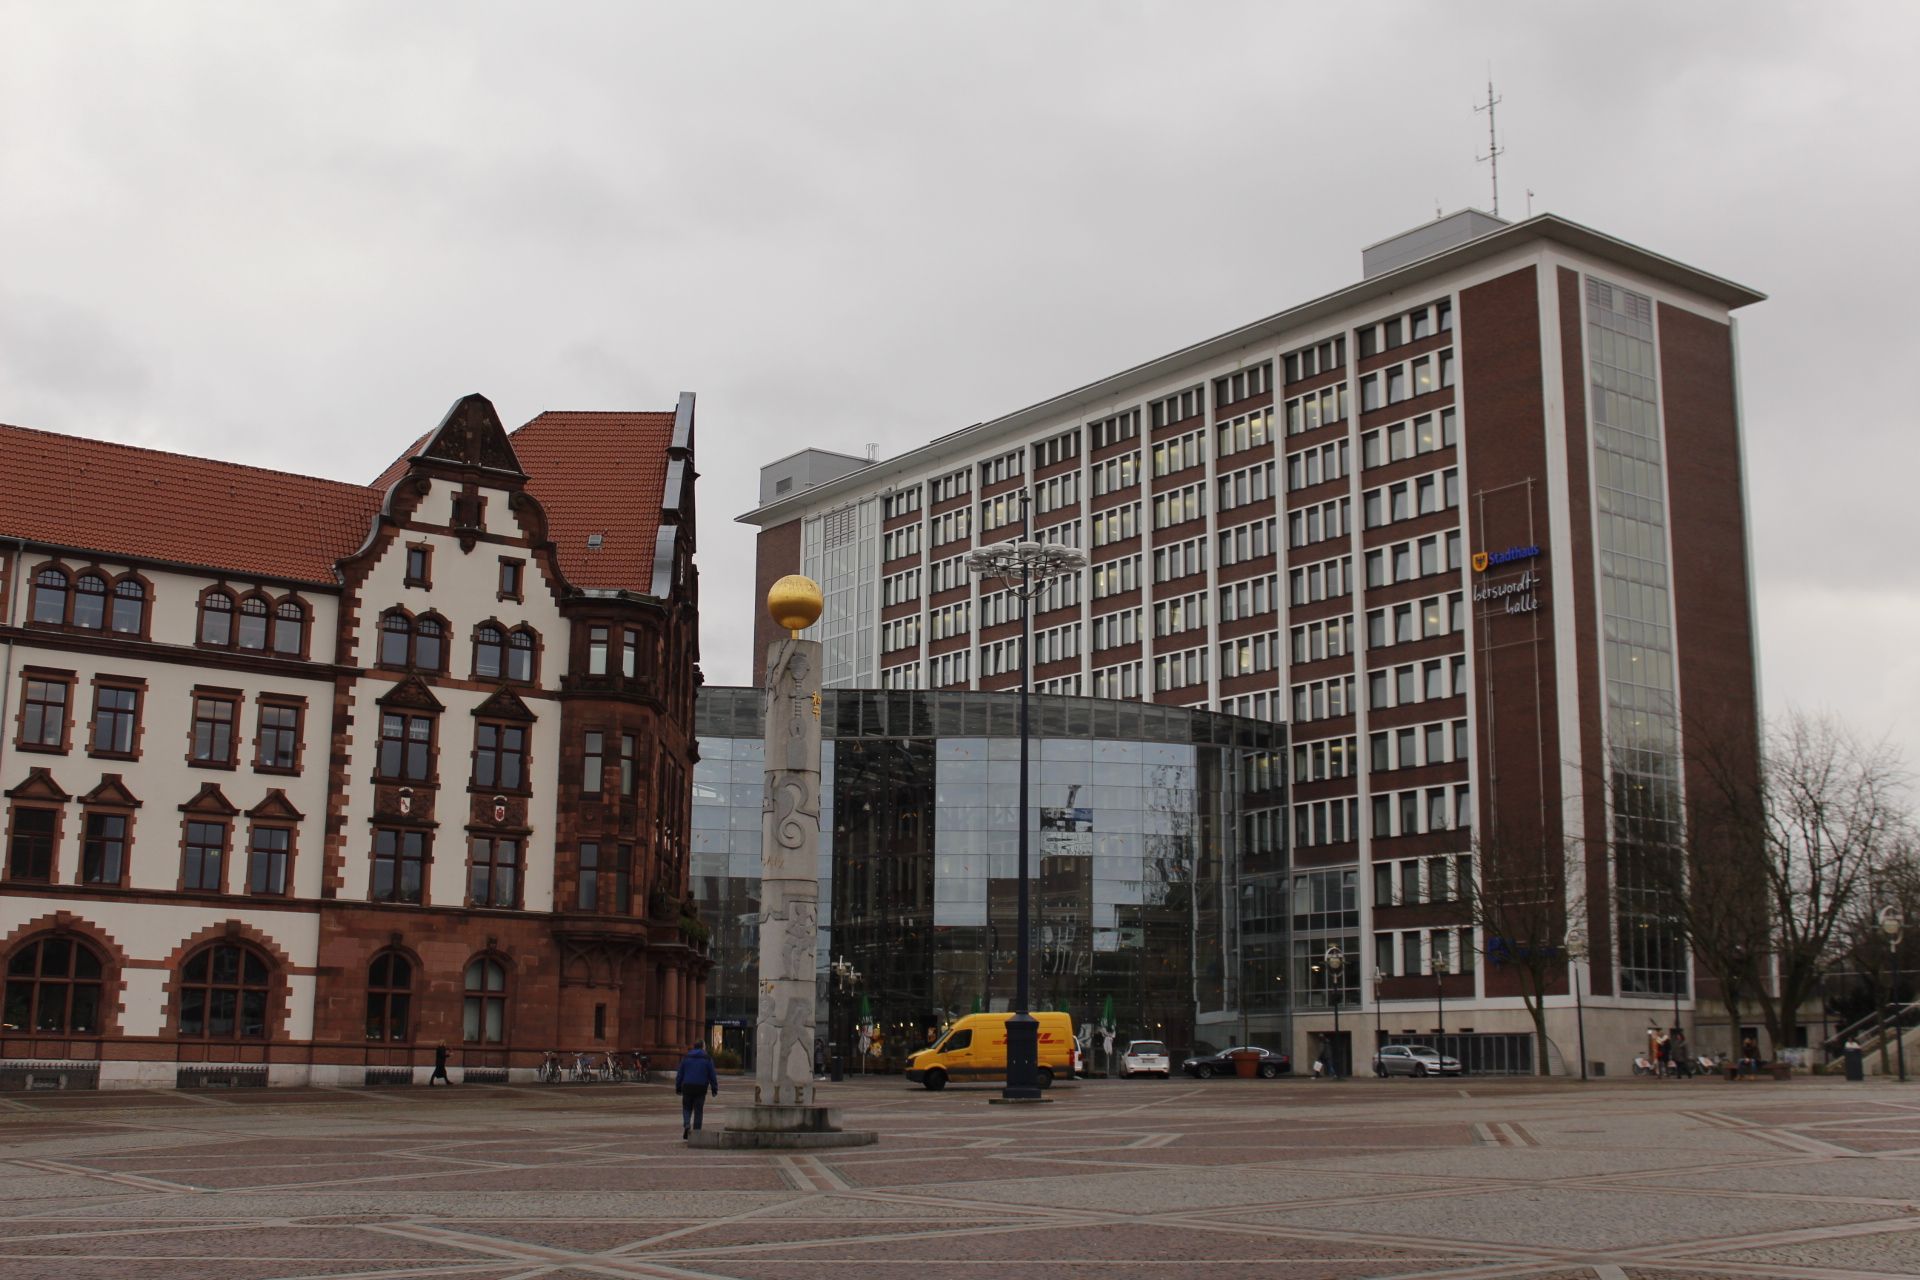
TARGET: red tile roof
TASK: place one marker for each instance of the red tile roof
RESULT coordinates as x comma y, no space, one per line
599,473
120,500
602,473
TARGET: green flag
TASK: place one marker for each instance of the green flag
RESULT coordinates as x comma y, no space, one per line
866,1009
1106,1014
976,1004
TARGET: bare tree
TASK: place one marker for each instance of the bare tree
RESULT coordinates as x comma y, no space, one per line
1782,859
1520,904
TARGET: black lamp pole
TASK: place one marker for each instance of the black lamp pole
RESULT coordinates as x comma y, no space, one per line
1016,561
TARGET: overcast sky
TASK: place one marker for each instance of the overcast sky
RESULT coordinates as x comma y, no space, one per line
293,234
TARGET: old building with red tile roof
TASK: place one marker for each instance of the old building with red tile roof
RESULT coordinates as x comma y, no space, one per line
303,778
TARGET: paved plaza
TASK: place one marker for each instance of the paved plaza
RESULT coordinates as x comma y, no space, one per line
1286,1179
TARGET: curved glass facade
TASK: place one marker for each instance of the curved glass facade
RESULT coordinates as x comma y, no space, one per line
1151,828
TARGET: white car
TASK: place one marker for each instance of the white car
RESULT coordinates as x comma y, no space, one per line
1146,1058
1414,1060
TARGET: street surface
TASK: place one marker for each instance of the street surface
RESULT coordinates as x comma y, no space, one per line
1281,1180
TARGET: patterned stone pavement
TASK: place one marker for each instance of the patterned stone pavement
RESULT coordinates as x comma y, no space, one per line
1289,1179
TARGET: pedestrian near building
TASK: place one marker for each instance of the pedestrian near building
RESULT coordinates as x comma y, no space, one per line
695,1078
440,1056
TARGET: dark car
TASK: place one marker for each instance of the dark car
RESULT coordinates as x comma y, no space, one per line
1208,1065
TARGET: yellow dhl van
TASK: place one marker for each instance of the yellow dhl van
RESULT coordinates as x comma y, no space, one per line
975,1048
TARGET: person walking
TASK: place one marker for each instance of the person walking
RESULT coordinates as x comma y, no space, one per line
440,1056
692,1081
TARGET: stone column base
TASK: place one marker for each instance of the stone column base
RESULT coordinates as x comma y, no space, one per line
776,1128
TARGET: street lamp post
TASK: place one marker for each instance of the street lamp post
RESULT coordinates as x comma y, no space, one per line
1379,1030
1440,968
1336,961
1022,564
1576,949
1894,926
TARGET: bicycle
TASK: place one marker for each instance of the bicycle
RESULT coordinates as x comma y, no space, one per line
549,1070
583,1072
643,1067
611,1067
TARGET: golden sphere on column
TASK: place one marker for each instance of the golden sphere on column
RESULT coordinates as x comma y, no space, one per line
794,602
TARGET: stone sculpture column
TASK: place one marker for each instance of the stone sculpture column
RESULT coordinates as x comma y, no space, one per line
783,1113
789,876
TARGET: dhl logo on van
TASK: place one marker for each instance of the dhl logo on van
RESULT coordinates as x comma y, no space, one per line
1046,1037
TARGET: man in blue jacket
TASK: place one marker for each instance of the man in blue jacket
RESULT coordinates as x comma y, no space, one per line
692,1081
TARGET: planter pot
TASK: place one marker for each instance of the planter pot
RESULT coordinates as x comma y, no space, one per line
1246,1065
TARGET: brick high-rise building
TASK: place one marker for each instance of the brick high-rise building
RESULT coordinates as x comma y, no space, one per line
304,777
1474,526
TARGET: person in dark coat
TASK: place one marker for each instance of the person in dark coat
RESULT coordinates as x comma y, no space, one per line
695,1078
440,1066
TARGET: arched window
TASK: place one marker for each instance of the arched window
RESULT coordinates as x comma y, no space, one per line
389,997
129,607
50,596
396,638
486,1012
90,602
520,650
489,652
429,643
290,628
253,623
216,619
54,986
223,993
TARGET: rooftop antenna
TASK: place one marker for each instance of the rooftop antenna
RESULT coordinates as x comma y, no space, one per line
1494,149
1529,202
873,452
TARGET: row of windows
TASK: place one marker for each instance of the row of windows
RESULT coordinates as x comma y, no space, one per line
1108,431
1322,699
1327,758
947,669
1326,822
1178,407
1253,484
94,601
1249,599
1399,382
1313,641
900,503
949,620
1116,524
1417,682
1248,542
1179,453
1416,558
900,542
945,575
901,633
1317,523
1068,685
1179,559
1327,580
1060,491
1314,466
997,513
1446,877
951,527
499,653
1427,433
1235,387
1419,812
898,588
1058,449
1182,613
1064,534
1410,326
1317,409
1437,945
1255,706
1249,654
1177,506
1114,474
1005,467
1180,670
952,485
114,730
1111,630
1411,746
1111,577
1248,431
1316,359
1120,681
1404,623
57,986
1406,499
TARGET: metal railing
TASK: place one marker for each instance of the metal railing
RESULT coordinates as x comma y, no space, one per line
1878,1025
1479,1053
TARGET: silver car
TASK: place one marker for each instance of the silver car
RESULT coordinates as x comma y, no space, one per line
1413,1060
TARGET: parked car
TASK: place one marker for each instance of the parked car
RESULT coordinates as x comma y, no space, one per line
1208,1065
1145,1058
1413,1060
